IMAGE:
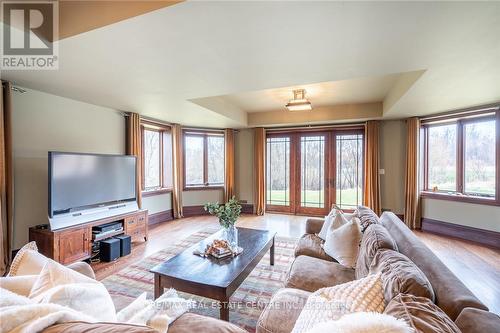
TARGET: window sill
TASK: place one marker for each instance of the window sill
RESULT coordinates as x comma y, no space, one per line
159,191
460,198
203,188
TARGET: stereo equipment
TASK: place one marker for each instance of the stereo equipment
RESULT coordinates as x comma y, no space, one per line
125,244
109,249
113,226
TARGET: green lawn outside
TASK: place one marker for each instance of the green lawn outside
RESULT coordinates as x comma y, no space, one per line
313,197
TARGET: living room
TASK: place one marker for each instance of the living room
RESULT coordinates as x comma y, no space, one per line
247,166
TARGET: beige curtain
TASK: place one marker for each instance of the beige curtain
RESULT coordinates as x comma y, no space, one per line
260,170
412,194
372,178
134,147
229,164
6,178
178,171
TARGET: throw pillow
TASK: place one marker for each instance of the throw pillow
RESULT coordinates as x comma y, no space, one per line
421,314
331,303
20,285
400,275
336,217
27,261
374,238
367,217
342,242
60,285
363,322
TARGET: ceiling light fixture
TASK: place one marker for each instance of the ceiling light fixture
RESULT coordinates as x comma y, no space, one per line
299,101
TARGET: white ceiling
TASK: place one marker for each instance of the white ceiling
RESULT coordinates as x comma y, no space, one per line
364,90
158,63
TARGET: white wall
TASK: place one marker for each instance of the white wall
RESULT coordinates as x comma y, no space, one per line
157,203
43,122
244,165
199,198
392,160
471,215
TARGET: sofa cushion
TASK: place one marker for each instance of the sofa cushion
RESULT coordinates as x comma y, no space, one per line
400,275
421,314
282,312
331,303
374,238
27,262
191,322
367,217
311,245
452,296
314,225
311,274
342,241
80,326
473,320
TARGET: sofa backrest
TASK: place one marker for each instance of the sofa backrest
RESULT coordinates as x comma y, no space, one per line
451,294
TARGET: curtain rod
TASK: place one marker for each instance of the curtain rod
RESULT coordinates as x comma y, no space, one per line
357,124
476,109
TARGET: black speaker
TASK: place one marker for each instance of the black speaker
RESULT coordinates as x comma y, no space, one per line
125,244
109,249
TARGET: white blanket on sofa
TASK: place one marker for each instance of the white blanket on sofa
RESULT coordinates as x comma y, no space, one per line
19,314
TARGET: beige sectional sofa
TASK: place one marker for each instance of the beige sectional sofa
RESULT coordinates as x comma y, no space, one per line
314,269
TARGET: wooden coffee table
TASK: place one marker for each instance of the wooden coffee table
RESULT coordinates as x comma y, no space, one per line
210,277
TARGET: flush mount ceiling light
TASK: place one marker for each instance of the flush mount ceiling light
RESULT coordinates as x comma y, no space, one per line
299,101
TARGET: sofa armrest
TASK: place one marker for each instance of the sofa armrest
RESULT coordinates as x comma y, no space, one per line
472,320
313,226
83,268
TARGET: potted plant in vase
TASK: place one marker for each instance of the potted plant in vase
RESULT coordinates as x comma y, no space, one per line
228,215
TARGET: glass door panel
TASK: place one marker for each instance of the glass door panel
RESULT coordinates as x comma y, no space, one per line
278,173
312,184
349,169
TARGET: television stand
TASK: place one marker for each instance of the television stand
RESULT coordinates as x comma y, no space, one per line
72,244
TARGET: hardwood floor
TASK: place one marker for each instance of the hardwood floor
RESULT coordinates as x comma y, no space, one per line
477,266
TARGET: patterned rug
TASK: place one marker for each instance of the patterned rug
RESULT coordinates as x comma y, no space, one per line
248,300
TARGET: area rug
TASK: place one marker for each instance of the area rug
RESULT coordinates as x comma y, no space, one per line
248,300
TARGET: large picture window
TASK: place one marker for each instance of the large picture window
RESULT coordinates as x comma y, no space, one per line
203,159
156,158
461,158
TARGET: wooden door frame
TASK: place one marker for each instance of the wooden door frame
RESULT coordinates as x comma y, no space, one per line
290,209
330,177
298,172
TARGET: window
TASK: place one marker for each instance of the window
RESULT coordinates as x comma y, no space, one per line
443,158
460,158
349,170
156,158
203,159
278,171
312,167
479,158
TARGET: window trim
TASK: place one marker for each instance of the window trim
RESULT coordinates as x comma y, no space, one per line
162,129
459,195
204,134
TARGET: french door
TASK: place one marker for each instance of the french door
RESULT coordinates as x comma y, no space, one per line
306,172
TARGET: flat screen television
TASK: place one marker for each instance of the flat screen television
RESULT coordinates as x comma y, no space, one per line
79,181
